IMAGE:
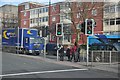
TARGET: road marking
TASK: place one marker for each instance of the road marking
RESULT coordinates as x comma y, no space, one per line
41,72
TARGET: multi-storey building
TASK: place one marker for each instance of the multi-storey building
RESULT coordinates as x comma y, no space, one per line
8,16
111,24
67,13
39,16
24,13
86,10
57,15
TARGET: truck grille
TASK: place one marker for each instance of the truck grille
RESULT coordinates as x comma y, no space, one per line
36,45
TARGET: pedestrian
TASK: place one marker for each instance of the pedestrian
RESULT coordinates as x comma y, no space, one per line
72,54
75,51
78,54
61,52
68,53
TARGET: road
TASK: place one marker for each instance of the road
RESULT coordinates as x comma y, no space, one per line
15,66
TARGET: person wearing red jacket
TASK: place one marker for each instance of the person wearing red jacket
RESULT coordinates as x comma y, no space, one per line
73,52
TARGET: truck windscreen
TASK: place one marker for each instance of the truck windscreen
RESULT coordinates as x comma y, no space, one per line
36,40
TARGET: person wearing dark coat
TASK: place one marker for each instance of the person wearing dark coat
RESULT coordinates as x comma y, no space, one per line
61,52
78,55
68,53
72,54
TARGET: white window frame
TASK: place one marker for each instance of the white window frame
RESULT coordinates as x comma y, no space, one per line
53,18
25,13
25,22
94,12
26,6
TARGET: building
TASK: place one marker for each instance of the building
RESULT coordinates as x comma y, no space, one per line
71,15
111,24
9,16
25,13
80,12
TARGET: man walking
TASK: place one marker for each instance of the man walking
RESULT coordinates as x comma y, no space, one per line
61,51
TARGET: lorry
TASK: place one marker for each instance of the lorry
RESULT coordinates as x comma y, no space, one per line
22,40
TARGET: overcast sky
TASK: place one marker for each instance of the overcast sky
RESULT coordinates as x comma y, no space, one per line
16,2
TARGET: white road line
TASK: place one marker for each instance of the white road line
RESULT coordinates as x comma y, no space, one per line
18,74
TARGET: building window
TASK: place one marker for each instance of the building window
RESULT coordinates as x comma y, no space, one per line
32,11
46,9
43,10
94,12
40,20
53,18
27,6
40,10
46,18
62,6
25,13
112,21
117,21
37,11
112,8
67,38
78,15
106,9
24,22
118,8
107,22
67,4
53,38
54,8
31,21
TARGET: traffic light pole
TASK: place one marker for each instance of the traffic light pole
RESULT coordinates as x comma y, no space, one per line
45,38
86,25
87,50
57,48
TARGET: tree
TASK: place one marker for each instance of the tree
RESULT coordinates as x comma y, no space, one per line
79,11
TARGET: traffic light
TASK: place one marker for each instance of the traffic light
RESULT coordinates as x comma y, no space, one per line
83,27
89,26
44,31
59,29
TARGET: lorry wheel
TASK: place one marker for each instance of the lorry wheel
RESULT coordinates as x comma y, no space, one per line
37,54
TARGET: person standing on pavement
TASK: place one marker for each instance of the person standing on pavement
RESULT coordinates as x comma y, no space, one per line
72,54
61,51
78,54
68,53
75,51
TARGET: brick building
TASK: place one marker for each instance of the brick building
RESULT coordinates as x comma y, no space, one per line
87,10
24,13
71,14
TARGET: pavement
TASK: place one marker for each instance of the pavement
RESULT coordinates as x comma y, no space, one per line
113,67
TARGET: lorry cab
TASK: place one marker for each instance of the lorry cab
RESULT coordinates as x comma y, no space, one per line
34,45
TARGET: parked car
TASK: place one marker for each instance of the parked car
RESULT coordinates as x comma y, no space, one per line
51,49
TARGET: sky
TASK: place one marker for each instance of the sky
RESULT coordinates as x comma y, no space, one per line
16,2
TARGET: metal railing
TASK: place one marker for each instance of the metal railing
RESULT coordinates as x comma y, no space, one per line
100,57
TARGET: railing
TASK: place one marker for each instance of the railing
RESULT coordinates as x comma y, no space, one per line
103,57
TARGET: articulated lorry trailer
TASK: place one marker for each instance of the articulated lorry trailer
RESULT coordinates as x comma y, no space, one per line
22,40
